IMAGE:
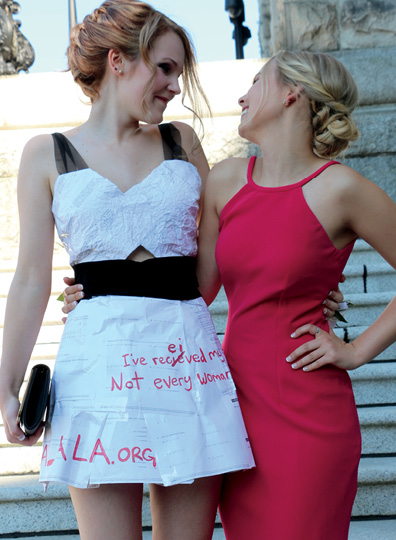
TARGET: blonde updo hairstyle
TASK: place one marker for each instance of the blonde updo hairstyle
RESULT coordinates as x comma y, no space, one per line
131,28
332,94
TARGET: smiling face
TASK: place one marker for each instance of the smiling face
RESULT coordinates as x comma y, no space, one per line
146,95
262,104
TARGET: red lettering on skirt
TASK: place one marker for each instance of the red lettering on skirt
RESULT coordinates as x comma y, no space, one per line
75,458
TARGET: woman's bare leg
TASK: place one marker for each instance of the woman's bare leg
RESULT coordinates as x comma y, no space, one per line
185,511
111,511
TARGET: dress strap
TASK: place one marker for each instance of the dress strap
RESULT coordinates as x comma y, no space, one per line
252,161
171,142
66,156
250,180
317,172
68,159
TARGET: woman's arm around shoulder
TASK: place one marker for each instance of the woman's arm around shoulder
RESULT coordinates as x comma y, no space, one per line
222,183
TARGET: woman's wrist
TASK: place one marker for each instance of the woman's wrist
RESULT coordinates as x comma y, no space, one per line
9,386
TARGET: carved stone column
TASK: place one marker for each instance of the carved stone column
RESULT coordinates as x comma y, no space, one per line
326,25
16,53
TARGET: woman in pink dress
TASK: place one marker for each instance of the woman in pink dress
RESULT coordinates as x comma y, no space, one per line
277,232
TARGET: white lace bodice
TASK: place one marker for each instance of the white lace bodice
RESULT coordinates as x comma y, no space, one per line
95,220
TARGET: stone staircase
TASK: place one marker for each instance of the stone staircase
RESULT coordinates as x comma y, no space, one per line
26,511
369,286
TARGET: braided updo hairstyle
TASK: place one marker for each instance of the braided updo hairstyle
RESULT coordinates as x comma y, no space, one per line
131,28
332,94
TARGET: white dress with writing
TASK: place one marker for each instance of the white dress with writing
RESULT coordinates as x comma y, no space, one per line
141,390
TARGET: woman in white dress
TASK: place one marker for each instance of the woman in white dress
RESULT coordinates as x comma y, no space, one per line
141,390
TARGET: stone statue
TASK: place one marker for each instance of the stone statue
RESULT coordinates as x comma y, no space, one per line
16,53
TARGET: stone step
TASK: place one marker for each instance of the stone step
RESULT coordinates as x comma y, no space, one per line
19,460
376,497
359,530
378,427
27,494
376,494
365,308
368,278
375,384
367,272
373,530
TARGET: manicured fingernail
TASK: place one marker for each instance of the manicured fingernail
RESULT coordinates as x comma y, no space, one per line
330,293
294,366
21,438
80,287
293,334
325,311
74,303
80,295
288,359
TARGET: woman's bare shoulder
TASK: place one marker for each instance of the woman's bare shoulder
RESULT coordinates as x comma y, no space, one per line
40,144
38,158
229,169
189,138
225,179
344,180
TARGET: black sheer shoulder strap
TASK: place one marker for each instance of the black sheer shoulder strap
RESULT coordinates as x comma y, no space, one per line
66,156
171,142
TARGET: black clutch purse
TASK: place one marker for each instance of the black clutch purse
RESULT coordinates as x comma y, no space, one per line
35,400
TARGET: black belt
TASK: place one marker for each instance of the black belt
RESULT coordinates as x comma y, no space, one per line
172,278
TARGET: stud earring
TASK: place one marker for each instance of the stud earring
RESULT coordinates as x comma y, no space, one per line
120,71
284,102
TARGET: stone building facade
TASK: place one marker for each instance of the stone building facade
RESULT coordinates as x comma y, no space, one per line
326,25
